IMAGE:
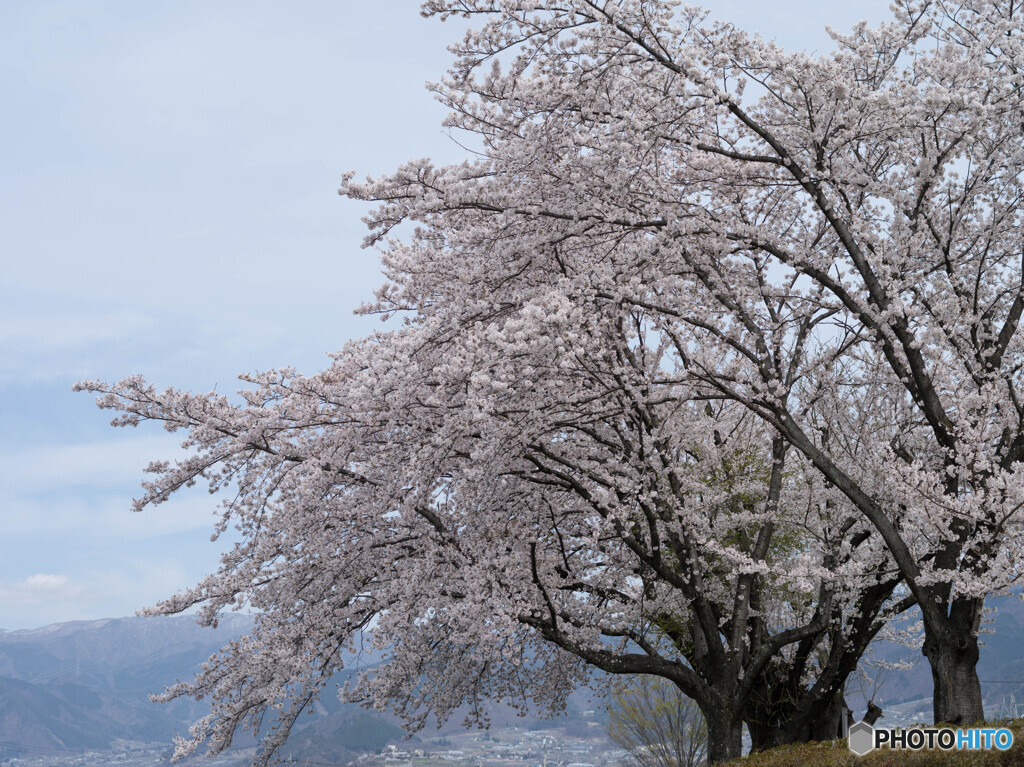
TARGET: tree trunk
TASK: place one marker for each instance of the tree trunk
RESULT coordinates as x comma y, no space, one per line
725,738
762,736
873,715
826,723
816,720
953,655
763,710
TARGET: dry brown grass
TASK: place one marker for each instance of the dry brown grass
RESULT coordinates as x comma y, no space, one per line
836,754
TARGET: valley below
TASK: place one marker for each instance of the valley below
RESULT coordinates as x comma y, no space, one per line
77,695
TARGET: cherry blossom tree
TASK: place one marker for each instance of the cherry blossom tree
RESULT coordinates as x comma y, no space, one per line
709,353
512,497
800,695
802,230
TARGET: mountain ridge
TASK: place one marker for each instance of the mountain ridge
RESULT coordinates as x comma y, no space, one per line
85,685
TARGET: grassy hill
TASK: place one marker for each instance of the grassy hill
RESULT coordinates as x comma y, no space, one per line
837,754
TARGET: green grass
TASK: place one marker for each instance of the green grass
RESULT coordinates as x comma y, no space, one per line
835,753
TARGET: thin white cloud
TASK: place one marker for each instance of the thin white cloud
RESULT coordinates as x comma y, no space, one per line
69,492
41,589
69,331
67,518
140,582
42,340
96,464
139,577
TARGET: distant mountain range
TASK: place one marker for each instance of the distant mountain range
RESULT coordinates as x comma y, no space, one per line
84,686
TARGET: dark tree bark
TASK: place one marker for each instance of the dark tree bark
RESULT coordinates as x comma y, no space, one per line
952,650
783,710
725,737
873,715
951,624
725,643
822,722
808,723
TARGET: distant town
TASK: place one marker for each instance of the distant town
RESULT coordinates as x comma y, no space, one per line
507,747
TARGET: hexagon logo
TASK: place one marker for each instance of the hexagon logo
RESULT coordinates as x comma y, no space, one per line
862,738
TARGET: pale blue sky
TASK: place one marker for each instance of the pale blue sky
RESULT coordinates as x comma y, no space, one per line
168,206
